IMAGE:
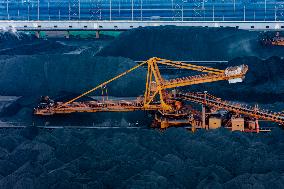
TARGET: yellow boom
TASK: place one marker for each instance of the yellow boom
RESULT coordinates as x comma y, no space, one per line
156,85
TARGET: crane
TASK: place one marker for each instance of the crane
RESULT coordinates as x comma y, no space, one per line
156,85
168,106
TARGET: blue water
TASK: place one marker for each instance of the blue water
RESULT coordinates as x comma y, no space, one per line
142,10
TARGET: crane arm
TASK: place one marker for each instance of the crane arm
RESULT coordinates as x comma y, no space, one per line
156,97
213,75
105,83
157,85
189,66
199,79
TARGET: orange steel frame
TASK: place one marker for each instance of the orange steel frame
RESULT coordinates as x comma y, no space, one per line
157,98
155,86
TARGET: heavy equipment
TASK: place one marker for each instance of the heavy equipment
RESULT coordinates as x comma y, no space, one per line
172,107
276,40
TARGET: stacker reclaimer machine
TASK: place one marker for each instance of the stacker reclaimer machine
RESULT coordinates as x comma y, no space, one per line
172,107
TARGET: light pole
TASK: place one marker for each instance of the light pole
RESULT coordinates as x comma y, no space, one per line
213,15
182,11
110,10
69,10
141,10
119,8
264,10
203,9
48,7
223,10
18,9
244,12
132,11
275,13
28,9
79,9
254,8
37,9
7,9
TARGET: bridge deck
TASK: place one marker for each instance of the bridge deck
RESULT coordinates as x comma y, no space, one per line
70,25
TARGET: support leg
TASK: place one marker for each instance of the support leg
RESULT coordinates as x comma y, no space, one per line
37,34
97,34
67,35
203,117
257,126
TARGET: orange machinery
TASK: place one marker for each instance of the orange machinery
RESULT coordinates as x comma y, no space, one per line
170,107
276,40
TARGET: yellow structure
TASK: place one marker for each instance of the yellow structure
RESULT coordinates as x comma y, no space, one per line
215,122
158,97
252,125
238,124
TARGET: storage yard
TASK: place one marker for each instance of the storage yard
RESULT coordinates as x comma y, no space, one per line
209,115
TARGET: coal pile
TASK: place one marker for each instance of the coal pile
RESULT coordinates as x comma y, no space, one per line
189,43
37,47
175,158
10,36
19,43
54,74
263,82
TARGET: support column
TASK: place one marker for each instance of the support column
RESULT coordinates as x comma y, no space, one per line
256,126
204,112
193,126
203,117
67,35
37,34
97,34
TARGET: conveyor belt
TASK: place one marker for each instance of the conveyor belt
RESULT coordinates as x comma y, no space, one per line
211,101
